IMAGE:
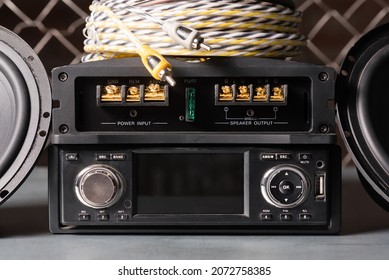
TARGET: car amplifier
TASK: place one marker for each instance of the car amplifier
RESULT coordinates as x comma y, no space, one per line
270,101
238,145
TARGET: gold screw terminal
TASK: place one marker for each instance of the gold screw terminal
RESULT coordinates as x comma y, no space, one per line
279,93
133,94
154,92
226,93
243,93
261,94
111,93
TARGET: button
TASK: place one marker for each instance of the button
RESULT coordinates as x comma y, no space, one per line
103,157
305,156
286,217
284,156
71,156
286,187
102,217
84,217
305,217
267,156
121,217
118,156
266,217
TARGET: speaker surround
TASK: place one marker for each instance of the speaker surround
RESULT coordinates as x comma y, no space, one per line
362,95
25,111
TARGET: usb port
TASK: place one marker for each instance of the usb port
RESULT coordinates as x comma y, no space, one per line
320,186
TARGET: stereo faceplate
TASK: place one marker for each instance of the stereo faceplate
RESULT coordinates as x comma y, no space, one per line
209,188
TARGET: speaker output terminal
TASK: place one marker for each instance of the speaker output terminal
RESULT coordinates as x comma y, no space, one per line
249,94
225,93
261,94
244,93
279,94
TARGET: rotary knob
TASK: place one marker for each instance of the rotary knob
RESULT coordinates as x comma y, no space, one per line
99,186
285,186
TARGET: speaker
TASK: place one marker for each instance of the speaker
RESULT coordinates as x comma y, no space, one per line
25,111
362,94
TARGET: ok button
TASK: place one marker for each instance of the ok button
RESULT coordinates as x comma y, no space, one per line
286,187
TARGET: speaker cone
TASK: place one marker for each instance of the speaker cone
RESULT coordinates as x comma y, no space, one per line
25,110
362,95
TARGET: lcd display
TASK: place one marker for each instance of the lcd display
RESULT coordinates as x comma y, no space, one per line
189,183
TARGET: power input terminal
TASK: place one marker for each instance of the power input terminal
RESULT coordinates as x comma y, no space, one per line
152,94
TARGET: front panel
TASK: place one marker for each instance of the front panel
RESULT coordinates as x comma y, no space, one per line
222,100
254,104
229,189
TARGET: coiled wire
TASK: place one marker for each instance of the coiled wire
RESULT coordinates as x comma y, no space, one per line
230,27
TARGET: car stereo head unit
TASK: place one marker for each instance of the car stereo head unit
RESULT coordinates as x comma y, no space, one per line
239,145
207,189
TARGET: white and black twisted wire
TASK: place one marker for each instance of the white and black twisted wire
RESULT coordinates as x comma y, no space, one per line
230,27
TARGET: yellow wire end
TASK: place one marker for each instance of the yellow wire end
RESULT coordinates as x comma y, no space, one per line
156,64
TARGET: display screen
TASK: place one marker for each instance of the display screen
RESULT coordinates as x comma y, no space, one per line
189,183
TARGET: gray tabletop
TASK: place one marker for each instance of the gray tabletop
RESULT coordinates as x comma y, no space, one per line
24,234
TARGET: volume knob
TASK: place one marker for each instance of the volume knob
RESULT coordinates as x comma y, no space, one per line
99,186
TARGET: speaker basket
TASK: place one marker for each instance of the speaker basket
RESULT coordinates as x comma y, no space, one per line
25,111
362,94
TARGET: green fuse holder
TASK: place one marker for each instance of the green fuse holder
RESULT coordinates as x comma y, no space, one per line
190,104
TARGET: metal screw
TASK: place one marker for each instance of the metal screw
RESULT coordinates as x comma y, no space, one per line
324,128
323,76
64,129
181,118
63,77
